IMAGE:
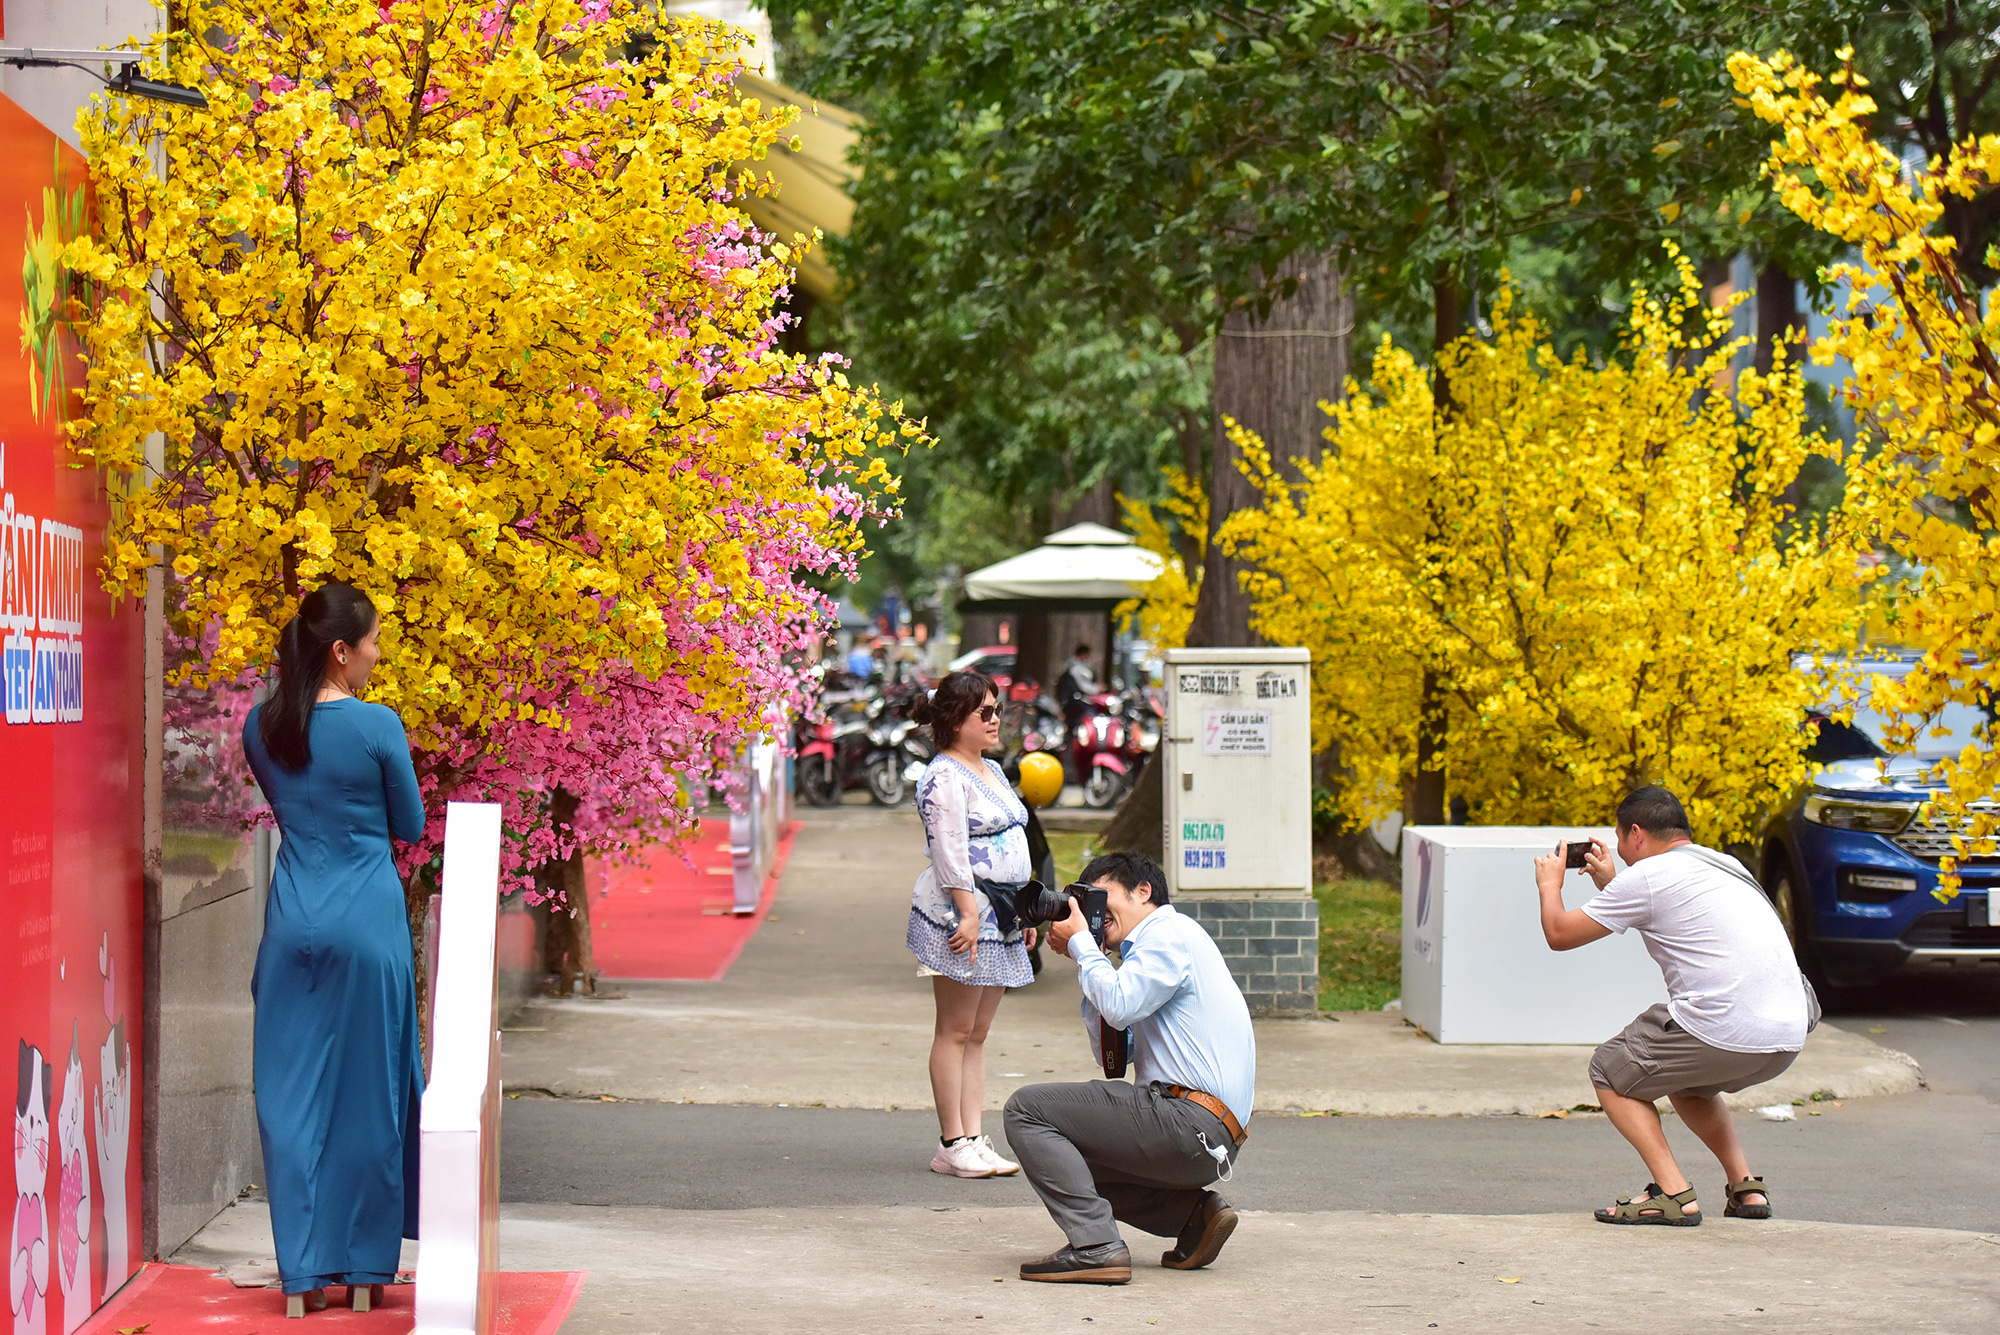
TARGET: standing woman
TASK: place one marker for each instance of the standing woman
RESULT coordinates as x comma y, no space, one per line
338,1074
975,834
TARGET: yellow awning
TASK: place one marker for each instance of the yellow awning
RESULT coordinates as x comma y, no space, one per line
812,182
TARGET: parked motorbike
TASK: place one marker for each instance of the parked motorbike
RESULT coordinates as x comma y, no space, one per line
833,752
902,747
1111,743
1030,721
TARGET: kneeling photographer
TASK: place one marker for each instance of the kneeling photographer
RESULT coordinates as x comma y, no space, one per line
1141,1151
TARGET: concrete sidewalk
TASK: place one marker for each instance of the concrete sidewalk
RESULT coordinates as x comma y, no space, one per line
854,1271
824,1007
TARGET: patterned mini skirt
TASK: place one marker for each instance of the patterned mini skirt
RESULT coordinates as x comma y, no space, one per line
999,964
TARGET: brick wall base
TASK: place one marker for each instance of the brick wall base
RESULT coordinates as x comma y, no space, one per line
1272,946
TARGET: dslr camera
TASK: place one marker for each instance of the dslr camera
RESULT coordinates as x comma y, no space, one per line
1036,905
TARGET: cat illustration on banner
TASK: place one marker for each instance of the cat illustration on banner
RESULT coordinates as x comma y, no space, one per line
28,1256
73,1194
114,1127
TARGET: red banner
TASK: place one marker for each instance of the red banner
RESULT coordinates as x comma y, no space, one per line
71,800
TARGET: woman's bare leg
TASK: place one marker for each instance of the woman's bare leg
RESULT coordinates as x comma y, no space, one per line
957,1018
972,1071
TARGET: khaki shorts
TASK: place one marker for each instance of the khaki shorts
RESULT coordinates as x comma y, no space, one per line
1654,1058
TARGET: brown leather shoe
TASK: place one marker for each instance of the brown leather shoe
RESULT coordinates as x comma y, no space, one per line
1106,1263
1202,1236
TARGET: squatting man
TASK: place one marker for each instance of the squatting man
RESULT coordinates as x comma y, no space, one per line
1737,1013
1141,1151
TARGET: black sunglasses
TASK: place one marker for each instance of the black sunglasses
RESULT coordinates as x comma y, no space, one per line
987,713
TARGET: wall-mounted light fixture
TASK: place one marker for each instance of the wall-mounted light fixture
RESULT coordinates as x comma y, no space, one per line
127,80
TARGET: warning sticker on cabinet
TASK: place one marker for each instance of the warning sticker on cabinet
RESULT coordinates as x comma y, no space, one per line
1236,732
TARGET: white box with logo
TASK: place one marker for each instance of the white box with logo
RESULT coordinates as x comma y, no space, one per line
1476,968
1238,784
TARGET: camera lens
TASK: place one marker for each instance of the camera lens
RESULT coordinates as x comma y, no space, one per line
1037,904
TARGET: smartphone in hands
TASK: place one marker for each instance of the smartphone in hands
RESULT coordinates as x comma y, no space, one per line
1574,854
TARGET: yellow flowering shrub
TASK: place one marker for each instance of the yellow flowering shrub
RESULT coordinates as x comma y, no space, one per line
1594,565
458,303
1165,607
1924,345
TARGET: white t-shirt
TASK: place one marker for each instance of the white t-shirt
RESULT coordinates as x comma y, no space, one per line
1732,980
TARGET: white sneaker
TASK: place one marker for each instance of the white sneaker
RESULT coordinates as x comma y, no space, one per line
962,1158
1002,1165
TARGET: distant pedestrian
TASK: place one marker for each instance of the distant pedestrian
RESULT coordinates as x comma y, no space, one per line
1737,1013
962,925
338,1075
1076,686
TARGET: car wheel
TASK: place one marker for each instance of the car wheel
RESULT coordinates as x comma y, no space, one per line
1794,907
817,784
885,782
1102,788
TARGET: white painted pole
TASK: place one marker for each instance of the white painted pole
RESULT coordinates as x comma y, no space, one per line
458,1211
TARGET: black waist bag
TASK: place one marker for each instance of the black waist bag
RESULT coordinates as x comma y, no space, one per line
1000,894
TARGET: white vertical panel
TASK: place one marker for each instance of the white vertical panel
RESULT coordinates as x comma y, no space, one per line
459,1204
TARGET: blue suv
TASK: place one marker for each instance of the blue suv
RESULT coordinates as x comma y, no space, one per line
1851,867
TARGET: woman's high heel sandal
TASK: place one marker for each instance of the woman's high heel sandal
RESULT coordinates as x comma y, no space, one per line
364,1297
298,1304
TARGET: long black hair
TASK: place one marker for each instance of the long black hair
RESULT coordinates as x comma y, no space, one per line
329,613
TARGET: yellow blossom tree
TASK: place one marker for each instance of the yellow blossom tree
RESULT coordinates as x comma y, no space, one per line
458,303
1166,608
1615,594
1924,345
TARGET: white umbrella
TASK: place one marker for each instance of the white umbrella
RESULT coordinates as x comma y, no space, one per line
1085,563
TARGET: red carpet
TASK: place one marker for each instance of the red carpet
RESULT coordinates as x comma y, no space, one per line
193,1300
662,918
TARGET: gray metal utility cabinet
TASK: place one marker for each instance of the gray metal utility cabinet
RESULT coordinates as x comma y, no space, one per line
1238,808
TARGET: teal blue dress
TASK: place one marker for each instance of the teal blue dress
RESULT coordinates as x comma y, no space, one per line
337,1066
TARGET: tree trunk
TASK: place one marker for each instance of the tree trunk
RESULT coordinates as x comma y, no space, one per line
1270,376
1138,826
570,956
1031,648
1427,787
1778,318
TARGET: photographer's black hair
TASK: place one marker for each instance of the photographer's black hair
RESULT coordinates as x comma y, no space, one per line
329,613
1083,651
1654,810
1130,870
952,703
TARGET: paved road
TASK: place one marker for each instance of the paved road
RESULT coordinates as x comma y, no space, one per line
1929,1160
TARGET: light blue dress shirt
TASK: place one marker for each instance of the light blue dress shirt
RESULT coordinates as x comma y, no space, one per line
1190,1025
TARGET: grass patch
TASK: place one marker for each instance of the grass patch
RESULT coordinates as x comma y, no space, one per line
1360,944
1073,850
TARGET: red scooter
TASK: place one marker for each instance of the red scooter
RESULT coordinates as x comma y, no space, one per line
1109,744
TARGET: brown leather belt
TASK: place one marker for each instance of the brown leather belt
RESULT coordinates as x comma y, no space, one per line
1237,1134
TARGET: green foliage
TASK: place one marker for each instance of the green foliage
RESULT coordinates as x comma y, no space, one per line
1060,202
1933,68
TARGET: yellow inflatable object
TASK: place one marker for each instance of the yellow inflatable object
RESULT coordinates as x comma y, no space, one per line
1041,778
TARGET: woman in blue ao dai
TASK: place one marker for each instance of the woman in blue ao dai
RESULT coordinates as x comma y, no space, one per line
975,830
338,1075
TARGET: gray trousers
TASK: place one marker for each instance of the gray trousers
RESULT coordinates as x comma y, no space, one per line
1111,1150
